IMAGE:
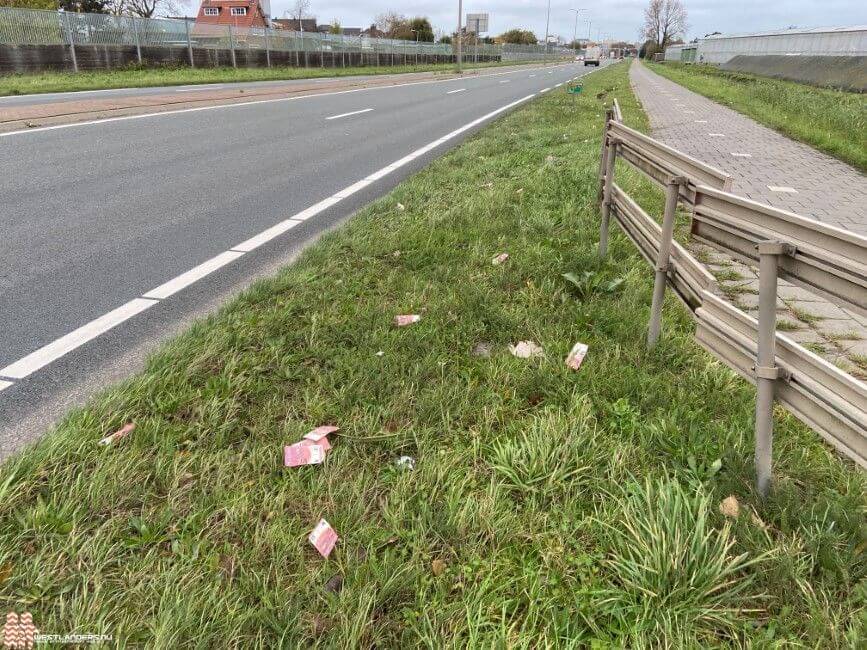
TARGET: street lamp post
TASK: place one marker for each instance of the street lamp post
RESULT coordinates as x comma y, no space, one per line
547,27
459,35
575,31
415,31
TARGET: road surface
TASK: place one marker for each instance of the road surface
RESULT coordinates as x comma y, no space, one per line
104,221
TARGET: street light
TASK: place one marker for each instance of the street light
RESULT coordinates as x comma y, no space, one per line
547,26
415,31
459,35
575,31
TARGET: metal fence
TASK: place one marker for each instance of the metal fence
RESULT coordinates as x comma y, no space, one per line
827,261
27,27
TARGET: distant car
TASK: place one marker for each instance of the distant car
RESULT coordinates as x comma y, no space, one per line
592,56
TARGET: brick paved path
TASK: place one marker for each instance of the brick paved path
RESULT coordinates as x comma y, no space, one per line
770,168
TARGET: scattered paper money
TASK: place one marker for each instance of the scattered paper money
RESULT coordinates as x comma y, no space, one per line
117,435
323,538
576,356
499,259
526,350
320,432
406,319
303,453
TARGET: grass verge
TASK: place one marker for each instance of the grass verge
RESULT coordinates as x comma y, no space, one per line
133,77
833,121
547,507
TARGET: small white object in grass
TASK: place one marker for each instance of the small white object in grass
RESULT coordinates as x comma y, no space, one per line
526,350
117,435
785,190
576,355
402,320
380,353
407,462
323,538
401,207
550,159
499,259
520,191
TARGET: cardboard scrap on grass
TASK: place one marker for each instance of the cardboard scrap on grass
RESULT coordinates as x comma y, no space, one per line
323,538
499,259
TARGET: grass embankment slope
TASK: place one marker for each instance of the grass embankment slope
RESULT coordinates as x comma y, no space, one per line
547,507
833,121
55,82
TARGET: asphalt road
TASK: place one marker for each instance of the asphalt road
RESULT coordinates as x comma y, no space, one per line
98,216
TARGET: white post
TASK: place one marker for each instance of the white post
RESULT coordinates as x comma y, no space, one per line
232,46
190,44
672,192
71,40
137,42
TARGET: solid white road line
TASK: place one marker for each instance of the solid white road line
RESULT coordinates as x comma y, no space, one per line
197,109
65,344
191,90
459,90
184,280
544,90
5,384
266,236
337,117
505,81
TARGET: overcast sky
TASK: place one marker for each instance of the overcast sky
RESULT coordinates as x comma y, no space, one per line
618,18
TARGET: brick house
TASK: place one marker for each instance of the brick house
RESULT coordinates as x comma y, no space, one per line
238,13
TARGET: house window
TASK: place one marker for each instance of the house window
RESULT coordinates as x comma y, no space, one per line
212,11
239,11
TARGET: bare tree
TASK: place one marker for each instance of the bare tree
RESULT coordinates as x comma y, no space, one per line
300,8
664,20
149,8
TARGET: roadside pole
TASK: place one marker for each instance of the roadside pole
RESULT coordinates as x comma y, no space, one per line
137,42
190,43
268,46
71,40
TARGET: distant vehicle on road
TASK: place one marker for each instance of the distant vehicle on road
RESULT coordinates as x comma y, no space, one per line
592,56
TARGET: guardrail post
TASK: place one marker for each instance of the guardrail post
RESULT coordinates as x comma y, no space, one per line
232,46
137,41
71,39
603,157
610,160
672,191
189,43
767,371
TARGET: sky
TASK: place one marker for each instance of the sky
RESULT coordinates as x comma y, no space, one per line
620,19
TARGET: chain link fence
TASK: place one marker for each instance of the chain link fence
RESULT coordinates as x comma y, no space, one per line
32,40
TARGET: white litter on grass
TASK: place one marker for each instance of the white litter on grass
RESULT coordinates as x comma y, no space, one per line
401,207
576,356
499,259
526,350
407,462
380,353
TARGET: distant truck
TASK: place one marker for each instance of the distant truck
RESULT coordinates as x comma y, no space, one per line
592,56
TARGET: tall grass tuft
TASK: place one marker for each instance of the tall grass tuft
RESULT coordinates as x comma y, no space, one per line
673,578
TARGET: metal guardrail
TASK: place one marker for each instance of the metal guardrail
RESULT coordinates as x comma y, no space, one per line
826,260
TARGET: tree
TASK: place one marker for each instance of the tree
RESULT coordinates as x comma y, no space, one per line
150,8
83,6
30,4
664,20
334,27
300,8
518,36
390,22
446,39
421,27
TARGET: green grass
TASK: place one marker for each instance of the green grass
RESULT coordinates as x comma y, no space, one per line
134,77
547,507
832,121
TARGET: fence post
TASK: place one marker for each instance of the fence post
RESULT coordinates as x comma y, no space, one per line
767,371
672,191
137,41
603,156
610,159
189,43
268,46
71,39
232,46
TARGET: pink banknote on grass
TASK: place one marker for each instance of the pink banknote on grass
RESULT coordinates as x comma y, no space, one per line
323,538
576,356
320,432
303,453
403,320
